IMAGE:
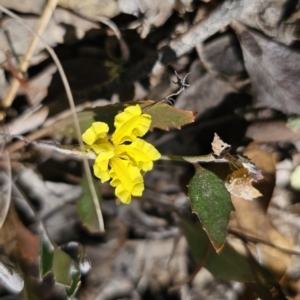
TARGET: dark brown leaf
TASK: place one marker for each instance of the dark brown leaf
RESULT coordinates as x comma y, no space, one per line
273,69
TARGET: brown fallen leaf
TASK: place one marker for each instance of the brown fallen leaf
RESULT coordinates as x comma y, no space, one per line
271,249
239,184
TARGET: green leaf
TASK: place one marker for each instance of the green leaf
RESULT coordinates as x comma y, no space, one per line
76,280
77,252
46,254
211,202
66,271
228,264
64,267
53,259
86,207
163,115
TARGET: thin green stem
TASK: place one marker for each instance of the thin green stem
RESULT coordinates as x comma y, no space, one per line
194,159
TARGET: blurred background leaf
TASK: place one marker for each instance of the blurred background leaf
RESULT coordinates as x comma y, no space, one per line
86,208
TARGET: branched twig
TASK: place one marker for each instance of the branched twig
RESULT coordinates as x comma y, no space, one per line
11,46
15,83
252,239
182,86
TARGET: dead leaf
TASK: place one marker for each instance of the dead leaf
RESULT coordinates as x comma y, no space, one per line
80,24
32,6
21,37
27,121
200,97
37,88
271,132
92,9
273,70
275,19
155,12
222,55
239,184
250,220
218,146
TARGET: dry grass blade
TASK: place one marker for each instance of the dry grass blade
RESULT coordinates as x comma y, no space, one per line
73,109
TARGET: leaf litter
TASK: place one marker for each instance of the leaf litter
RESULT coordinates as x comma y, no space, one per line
236,72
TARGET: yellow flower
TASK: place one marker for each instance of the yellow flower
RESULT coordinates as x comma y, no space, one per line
124,156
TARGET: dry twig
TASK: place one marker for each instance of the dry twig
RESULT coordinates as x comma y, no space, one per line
15,82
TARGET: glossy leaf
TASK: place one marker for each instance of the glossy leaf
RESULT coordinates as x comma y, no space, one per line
211,202
86,207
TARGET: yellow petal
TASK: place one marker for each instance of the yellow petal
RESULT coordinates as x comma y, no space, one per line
129,124
103,159
126,178
103,145
140,152
96,131
101,165
101,173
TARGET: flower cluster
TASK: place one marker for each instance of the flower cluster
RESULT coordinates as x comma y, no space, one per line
124,156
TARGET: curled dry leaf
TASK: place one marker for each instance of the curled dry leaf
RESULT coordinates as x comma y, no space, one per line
239,184
218,146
